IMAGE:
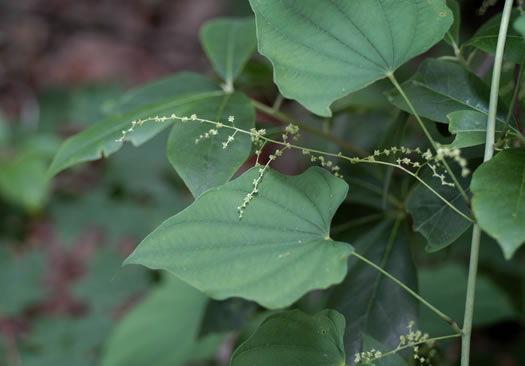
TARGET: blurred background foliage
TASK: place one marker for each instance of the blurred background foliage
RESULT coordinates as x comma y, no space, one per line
62,66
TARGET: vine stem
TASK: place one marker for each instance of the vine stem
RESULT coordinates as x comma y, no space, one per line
435,146
489,152
435,339
287,119
442,315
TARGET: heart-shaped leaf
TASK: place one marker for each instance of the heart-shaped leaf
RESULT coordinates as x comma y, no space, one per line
280,250
229,43
498,186
295,338
100,139
204,163
324,50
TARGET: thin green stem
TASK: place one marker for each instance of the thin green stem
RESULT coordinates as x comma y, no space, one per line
442,315
427,134
287,119
401,348
489,152
368,160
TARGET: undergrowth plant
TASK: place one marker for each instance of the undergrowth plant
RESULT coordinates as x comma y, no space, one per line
325,254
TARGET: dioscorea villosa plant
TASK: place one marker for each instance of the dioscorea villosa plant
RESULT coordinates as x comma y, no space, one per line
329,251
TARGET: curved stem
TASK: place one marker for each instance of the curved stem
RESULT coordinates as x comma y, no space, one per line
287,119
427,134
489,152
442,315
400,348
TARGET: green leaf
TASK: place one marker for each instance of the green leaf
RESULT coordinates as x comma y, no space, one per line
161,330
324,50
280,250
20,281
434,219
519,25
229,43
365,297
440,87
445,288
295,338
453,33
24,181
207,164
370,343
486,39
100,139
470,128
498,186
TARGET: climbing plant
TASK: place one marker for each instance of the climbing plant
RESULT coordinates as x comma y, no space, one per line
318,267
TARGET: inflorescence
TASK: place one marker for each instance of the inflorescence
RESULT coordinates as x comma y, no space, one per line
405,156
413,339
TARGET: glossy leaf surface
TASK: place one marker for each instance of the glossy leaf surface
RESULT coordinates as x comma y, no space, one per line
99,140
441,87
324,50
370,302
295,338
498,186
229,43
205,164
434,219
280,250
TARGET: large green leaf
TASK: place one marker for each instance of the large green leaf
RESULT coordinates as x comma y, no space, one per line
324,50
366,298
445,287
280,249
295,338
441,87
486,39
435,220
207,164
161,330
498,186
229,43
100,139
